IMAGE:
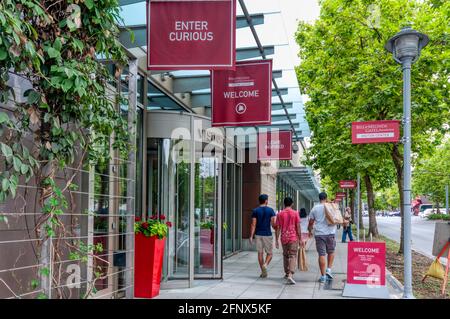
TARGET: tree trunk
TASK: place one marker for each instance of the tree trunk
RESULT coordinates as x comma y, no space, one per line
373,228
361,209
398,163
352,204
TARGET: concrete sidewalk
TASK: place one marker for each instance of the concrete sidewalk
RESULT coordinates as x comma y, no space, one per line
241,280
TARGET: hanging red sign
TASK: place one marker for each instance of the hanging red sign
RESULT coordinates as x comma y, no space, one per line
375,132
242,97
275,145
347,184
191,34
366,262
340,195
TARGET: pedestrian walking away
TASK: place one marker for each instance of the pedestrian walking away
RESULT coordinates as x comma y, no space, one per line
289,229
304,220
347,226
325,236
263,217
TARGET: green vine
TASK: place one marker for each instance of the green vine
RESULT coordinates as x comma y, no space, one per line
69,111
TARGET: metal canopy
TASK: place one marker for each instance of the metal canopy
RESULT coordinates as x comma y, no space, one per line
140,31
301,178
279,106
194,82
203,99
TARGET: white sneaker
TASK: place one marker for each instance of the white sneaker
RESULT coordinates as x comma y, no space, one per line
290,280
329,274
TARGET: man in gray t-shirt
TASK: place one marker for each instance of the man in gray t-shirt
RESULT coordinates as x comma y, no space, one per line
324,235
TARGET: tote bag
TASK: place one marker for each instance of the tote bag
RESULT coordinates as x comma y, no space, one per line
332,214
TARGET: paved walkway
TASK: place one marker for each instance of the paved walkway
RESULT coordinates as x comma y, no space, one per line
241,280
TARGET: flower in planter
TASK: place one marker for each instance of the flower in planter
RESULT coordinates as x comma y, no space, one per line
162,217
153,226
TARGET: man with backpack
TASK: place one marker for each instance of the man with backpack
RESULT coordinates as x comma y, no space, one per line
263,217
324,234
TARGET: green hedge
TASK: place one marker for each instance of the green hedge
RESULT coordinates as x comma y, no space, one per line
439,216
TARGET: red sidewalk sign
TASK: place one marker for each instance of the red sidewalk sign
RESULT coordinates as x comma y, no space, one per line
242,97
347,184
340,195
275,145
376,132
366,263
191,34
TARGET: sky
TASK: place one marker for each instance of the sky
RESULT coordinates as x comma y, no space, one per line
294,11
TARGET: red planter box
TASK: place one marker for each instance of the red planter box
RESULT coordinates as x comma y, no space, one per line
148,261
207,248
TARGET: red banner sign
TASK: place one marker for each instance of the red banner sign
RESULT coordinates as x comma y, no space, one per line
340,195
191,34
347,184
366,262
275,145
375,132
242,97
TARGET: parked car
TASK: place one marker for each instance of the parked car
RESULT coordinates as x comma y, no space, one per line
423,207
394,213
365,213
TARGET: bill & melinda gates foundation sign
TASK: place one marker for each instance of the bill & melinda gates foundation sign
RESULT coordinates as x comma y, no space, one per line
347,184
275,145
191,34
242,97
376,132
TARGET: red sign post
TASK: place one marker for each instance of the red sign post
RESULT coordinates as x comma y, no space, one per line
191,34
366,263
375,132
275,145
242,97
347,184
340,195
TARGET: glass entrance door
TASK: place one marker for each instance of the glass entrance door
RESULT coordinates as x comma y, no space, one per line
206,215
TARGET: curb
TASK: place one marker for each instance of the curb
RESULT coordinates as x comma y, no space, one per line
395,283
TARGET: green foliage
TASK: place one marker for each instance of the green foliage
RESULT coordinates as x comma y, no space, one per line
68,109
349,76
207,225
70,113
438,216
154,226
83,251
432,174
387,199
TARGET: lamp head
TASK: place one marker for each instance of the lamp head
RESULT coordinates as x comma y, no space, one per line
407,44
295,148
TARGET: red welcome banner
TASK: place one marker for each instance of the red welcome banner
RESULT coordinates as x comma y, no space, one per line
191,34
242,97
275,145
347,184
375,132
366,262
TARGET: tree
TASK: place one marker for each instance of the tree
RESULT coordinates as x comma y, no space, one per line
349,76
432,174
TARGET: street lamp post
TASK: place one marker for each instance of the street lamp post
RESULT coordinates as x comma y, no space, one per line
405,47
